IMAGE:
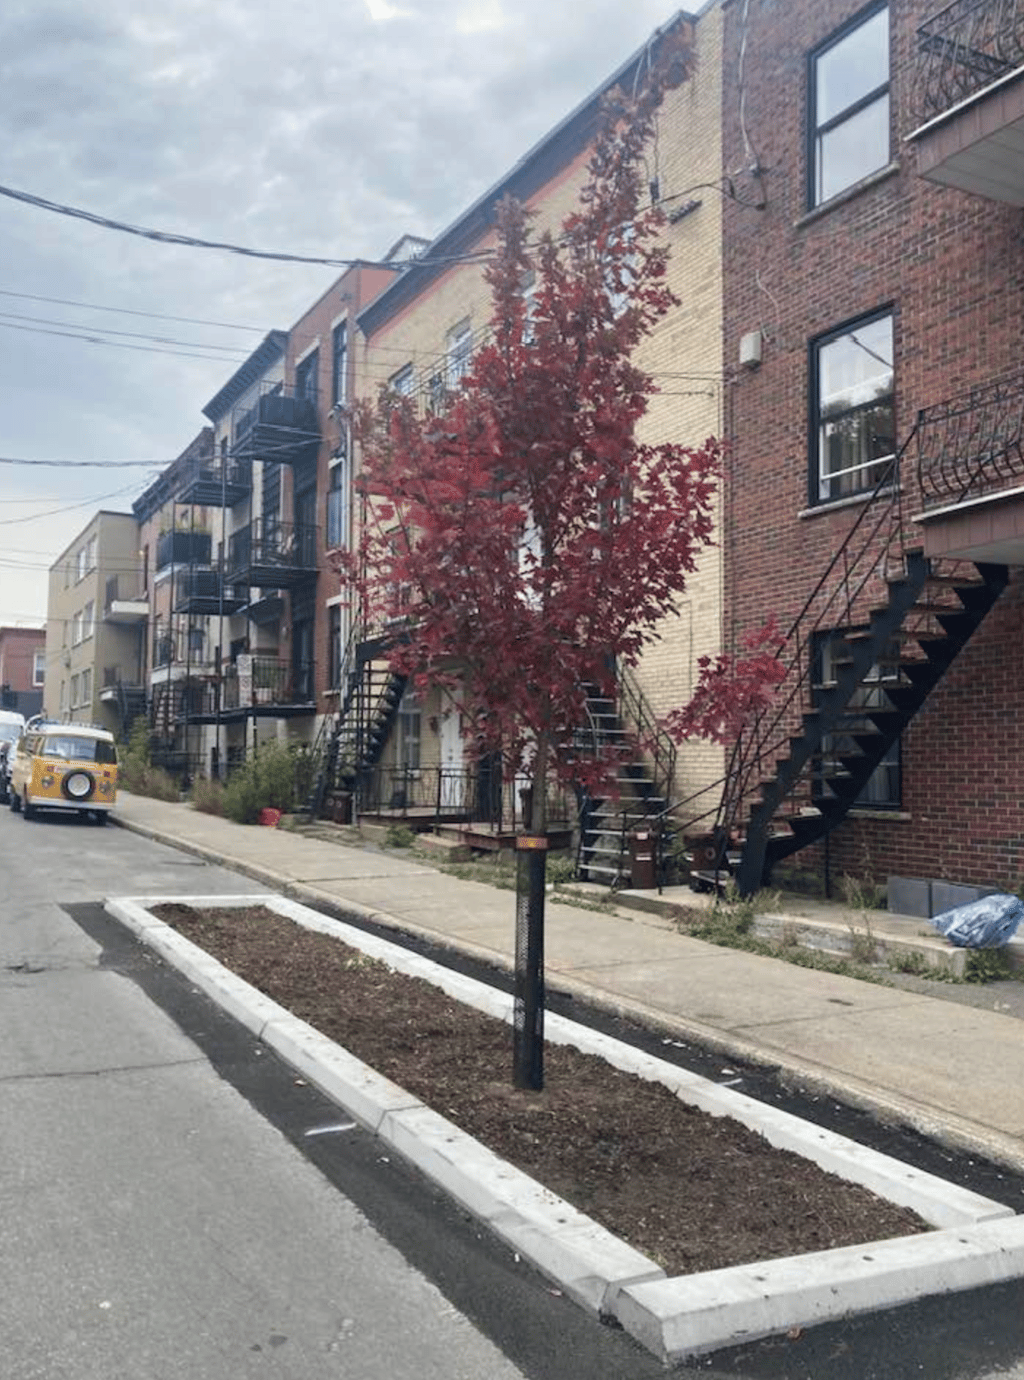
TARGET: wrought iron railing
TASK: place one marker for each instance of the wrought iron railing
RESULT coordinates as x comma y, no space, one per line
274,423
476,794
964,48
268,680
268,545
971,446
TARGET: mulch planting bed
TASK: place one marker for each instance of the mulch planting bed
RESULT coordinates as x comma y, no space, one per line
692,1191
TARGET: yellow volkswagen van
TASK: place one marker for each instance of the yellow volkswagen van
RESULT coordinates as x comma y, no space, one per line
58,766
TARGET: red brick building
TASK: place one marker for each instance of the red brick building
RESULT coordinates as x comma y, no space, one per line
22,669
874,271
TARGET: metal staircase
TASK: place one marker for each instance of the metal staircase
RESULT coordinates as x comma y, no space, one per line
352,742
892,622
644,779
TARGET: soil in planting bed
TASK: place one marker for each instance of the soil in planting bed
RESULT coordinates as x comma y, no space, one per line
692,1191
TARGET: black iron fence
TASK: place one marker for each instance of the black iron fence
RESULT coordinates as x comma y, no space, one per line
269,545
964,48
474,794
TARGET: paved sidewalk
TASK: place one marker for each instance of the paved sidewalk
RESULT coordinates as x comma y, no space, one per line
954,1072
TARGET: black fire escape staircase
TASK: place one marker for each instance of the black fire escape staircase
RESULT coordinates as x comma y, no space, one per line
353,740
616,725
893,622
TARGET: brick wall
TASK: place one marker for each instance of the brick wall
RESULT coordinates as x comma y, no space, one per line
952,267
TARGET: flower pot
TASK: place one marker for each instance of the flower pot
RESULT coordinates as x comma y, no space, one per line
270,818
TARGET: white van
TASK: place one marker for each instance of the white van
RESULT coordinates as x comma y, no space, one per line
12,726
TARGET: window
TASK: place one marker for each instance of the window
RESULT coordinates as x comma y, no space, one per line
883,789
306,377
38,668
339,356
86,688
459,353
337,505
334,647
407,744
849,106
63,696
853,412
528,286
74,690
88,620
402,382
76,629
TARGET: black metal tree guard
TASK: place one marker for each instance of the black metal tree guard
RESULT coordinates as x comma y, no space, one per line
528,1009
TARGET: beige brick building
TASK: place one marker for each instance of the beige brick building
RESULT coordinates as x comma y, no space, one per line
419,334
95,625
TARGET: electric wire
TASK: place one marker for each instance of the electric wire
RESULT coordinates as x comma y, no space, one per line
130,311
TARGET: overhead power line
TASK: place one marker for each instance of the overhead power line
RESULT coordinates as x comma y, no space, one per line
130,311
87,464
193,242
124,345
131,335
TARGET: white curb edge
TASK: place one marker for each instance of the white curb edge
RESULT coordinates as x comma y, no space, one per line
674,1318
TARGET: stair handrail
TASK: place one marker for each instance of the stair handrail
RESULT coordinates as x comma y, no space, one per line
859,559
757,739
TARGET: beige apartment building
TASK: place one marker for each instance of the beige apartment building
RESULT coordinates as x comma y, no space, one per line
418,337
96,624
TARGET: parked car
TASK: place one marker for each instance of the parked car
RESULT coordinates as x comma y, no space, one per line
12,726
55,766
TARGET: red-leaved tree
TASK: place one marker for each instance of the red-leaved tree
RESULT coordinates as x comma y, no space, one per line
522,536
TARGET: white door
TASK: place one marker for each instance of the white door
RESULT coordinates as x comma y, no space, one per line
452,786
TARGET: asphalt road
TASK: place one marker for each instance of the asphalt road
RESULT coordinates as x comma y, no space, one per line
174,1203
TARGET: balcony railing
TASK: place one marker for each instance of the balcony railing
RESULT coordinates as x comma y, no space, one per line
183,547
255,681
476,794
201,590
277,425
971,446
964,48
272,555
180,647
216,483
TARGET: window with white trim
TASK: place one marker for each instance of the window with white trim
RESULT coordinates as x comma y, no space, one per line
408,731
38,668
848,104
852,407
458,353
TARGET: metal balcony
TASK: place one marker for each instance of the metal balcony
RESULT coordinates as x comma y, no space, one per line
272,555
216,483
969,98
183,547
268,686
970,465
277,425
204,591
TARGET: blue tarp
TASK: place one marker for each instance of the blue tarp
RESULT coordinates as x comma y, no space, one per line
986,924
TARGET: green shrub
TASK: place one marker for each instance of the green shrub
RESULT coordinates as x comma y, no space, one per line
266,781
399,836
208,796
136,772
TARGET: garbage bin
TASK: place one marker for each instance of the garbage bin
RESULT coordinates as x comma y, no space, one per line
641,860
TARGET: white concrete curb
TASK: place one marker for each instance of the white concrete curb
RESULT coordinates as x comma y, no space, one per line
674,1318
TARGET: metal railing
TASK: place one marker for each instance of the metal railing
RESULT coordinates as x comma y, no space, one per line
964,48
268,680
467,794
971,445
269,545
274,424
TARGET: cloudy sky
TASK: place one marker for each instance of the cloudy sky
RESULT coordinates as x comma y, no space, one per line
328,130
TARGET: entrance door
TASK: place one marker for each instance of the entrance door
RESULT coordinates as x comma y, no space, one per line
452,774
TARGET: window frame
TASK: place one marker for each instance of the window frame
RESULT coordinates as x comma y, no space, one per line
339,364
814,347
814,131
38,669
